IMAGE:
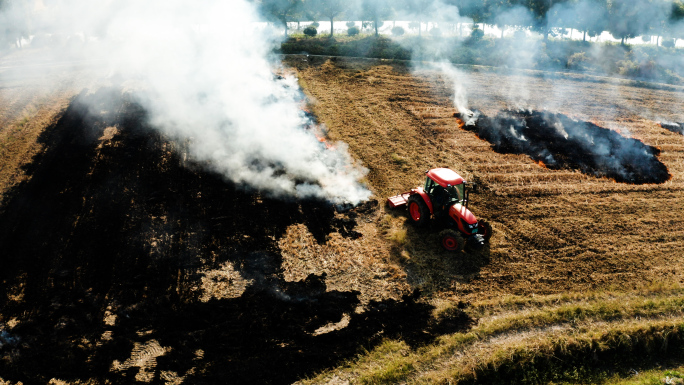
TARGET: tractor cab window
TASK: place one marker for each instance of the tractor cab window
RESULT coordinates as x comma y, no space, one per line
430,186
437,193
444,196
456,193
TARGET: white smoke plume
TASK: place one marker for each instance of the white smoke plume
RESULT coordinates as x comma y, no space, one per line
460,83
206,78
459,80
438,11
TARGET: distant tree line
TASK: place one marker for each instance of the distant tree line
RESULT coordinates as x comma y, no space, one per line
624,19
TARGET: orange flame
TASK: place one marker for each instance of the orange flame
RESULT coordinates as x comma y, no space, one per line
459,121
316,129
324,141
540,164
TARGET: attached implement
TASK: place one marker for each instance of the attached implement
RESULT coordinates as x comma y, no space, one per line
444,197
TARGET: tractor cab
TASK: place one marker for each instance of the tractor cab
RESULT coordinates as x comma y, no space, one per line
444,187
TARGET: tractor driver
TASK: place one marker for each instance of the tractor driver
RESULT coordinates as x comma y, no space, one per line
441,198
445,197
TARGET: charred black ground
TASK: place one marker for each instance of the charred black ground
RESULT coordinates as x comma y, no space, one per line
674,127
124,225
560,142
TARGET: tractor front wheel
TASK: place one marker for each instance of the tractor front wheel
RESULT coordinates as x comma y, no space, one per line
418,210
452,240
485,229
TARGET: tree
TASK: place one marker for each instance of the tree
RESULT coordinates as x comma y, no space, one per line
475,10
500,17
375,11
513,15
588,16
675,25
593,19
418,8
281,11
628,18
660,22
330,9
541,11
677,13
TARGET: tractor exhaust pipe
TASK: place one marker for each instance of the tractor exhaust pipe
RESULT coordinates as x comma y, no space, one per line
467,192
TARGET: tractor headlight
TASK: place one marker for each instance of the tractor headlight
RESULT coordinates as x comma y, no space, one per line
467,225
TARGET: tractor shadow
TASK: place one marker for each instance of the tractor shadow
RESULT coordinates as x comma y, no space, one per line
104,248
427,264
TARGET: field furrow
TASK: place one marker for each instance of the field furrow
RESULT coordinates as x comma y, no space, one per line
555,229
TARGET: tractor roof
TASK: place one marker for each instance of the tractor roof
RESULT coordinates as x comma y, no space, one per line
444,176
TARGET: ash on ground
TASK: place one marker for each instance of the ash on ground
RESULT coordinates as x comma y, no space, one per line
559,142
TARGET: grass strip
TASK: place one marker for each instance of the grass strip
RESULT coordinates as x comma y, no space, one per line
602,328
593,355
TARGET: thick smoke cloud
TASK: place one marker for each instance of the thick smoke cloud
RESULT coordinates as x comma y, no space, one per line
203,72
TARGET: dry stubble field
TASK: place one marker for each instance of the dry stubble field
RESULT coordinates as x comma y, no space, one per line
124,261
556,231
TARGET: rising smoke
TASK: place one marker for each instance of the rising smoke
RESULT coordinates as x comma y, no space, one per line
438,13
523,47
460,84
208,79
549,138
203,72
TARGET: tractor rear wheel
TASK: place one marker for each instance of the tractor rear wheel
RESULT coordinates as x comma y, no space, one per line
485,229
452,240
418,210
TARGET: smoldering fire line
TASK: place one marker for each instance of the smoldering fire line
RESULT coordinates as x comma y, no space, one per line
673,126
557,141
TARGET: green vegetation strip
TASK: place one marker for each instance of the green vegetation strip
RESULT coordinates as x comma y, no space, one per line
592,355
536,340
672,376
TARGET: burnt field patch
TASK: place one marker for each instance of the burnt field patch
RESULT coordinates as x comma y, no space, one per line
673,126
104,247
557,141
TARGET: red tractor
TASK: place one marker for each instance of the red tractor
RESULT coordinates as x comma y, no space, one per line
445,198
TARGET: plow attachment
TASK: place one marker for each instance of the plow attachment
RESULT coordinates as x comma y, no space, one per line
398,200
